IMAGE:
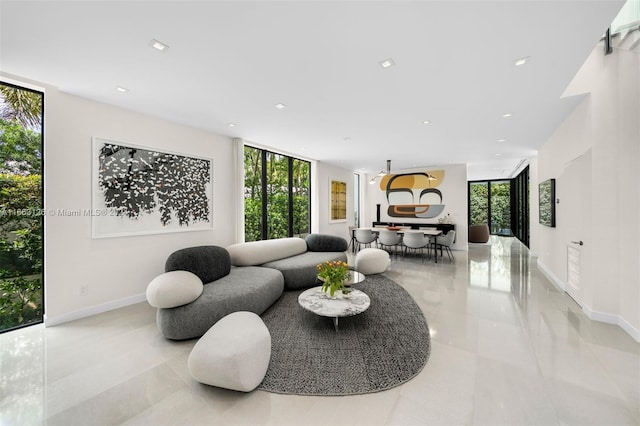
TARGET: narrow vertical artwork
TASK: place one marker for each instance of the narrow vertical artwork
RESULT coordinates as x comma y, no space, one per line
546,202
139,190
338,201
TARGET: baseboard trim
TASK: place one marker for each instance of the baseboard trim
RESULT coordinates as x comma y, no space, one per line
612,319
94,310
591,314
631,330
551,276
600,316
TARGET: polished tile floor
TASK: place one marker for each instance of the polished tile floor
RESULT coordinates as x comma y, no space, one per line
507,349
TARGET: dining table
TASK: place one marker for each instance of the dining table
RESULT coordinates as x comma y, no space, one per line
431,232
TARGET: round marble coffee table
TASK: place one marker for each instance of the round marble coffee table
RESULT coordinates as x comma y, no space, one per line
316,301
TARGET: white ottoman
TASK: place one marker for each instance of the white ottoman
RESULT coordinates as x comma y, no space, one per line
372,261
233,354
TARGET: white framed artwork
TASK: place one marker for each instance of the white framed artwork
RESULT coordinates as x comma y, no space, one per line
138,190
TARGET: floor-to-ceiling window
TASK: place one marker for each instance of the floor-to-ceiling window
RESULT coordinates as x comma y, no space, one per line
500,207
277,200
21,207
520,198
490,203
478,203
502,204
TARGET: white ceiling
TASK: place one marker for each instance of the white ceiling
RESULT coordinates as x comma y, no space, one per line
231,62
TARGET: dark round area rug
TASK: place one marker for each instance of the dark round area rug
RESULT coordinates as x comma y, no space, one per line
378,349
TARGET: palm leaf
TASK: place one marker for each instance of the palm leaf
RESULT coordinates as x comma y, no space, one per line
22,105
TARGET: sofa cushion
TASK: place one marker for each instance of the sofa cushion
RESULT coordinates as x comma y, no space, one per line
209,263
300,271
249,288
259,252
324,242
175,288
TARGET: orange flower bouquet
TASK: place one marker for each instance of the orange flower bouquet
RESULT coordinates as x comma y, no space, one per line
333,275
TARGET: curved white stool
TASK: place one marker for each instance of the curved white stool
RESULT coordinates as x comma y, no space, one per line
372,261
233,354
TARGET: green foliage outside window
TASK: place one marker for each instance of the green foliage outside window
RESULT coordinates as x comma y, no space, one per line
499,192
478,203
21,214
277,193
501,207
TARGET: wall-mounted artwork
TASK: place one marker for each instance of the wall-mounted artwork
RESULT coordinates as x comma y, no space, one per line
139,190
547,202
413,195
338,201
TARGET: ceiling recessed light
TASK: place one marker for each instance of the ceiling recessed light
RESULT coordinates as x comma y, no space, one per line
158,45
521,61
121,89
387,63
506,115
426,122
502,140
231,125
498,155
280,106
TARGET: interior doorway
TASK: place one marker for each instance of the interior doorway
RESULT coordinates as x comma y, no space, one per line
575,197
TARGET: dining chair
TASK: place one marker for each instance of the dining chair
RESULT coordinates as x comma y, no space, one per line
416,241
444,242
366,237
352,235
390,239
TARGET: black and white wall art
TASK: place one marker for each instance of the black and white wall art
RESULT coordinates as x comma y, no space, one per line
140,190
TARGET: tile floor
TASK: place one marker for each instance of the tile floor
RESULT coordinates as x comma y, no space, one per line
507,349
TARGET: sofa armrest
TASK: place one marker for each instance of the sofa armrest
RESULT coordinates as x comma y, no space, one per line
175,288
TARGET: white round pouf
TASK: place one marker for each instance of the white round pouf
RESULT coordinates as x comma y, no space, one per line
175,288
372,261
233,354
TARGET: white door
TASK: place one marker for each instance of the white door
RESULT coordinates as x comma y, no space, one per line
573,271
575,221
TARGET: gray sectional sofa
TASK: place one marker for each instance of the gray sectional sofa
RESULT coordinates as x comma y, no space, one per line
242,277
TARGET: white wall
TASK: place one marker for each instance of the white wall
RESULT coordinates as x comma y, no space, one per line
324,174
607,123
116,270
454,196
